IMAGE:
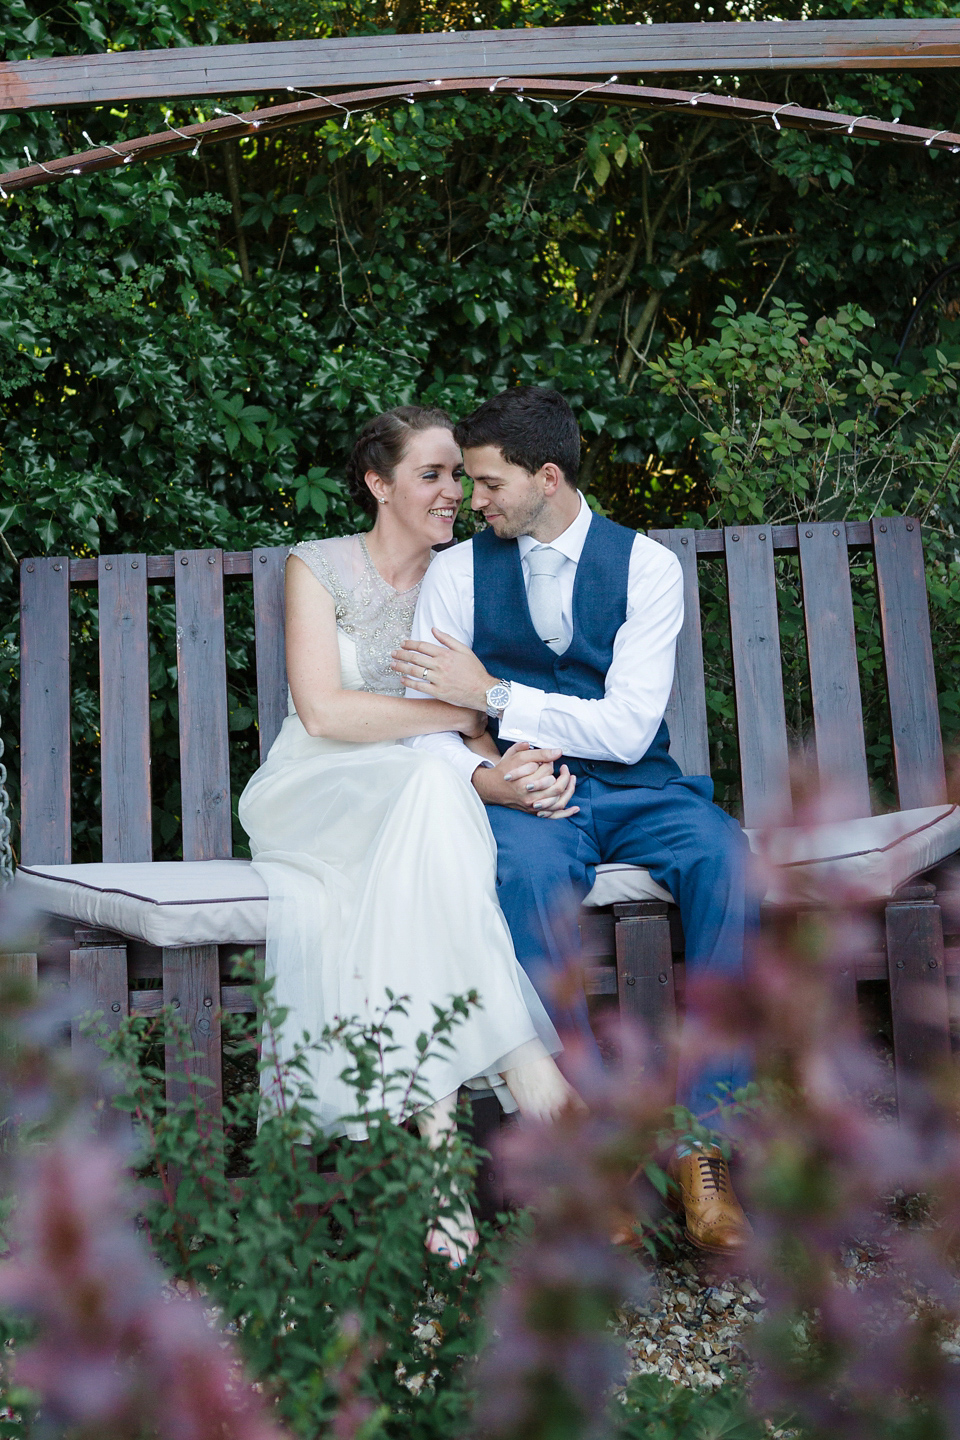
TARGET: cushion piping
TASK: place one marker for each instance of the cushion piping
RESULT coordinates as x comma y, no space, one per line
873,849
145,899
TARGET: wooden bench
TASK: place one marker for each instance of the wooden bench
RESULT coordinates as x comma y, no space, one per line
631,944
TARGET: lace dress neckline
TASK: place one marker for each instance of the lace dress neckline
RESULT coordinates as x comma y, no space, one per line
368,558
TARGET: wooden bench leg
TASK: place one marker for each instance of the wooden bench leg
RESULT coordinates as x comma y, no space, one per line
191,986
98,975
645,982
918,987
485,1133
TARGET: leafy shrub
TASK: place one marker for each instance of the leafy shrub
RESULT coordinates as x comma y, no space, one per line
316,1257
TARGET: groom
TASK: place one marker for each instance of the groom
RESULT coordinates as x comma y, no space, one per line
562,626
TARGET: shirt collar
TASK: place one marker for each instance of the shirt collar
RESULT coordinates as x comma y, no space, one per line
573,539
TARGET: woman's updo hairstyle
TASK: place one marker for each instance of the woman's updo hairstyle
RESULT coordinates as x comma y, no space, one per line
382,443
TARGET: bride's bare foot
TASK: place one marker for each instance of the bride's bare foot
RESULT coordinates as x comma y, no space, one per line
540,1090
455,1237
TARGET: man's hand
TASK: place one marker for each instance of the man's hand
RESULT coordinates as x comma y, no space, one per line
448,671
524,780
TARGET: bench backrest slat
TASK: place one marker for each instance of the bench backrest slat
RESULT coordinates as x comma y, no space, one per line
45,711
908,654
125,708
832,658
202,693
758,679
687,709
269,564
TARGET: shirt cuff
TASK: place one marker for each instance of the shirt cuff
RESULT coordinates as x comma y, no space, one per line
521,718
464,761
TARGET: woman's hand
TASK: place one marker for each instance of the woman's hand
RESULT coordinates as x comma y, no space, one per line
473,724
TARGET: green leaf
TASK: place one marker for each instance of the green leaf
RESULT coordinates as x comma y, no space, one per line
601,169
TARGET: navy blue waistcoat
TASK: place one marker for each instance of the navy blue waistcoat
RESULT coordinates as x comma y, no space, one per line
505,640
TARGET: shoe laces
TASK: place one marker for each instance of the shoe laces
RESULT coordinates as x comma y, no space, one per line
713,1173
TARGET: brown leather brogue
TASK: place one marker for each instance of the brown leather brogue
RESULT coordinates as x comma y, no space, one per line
703,1193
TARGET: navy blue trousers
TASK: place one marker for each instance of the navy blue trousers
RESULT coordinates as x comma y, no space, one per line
688,844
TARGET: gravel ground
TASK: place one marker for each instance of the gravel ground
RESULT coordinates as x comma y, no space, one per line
696,1317
691,1325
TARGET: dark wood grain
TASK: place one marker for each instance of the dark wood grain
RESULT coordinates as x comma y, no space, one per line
160,567
918,994
687,708
710,47
645,976
908,657
45,711
758,681
191,987
859,537
268,571
832,657
125,708
202,692
98,975
234,1000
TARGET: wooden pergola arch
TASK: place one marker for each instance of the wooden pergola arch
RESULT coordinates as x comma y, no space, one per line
342,76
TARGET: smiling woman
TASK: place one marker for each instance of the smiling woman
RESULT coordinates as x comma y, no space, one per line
379,859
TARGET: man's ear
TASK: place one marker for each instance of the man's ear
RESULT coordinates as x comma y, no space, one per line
552,477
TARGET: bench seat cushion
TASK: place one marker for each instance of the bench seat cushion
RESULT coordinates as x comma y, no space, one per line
166,902
209,902
871,858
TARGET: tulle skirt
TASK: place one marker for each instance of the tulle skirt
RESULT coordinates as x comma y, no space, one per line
381,870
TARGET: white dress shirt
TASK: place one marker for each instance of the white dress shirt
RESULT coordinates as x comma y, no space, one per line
619,727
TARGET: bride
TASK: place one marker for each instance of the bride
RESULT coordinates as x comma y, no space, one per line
379,858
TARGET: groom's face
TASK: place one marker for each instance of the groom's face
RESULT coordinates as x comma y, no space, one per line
509,498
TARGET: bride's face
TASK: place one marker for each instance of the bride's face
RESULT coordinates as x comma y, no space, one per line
426,491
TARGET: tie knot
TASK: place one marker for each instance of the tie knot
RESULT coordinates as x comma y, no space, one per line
544,560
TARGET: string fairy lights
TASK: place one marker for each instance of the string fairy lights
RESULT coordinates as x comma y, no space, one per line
556,94
294,90
780,108
232,115
126,159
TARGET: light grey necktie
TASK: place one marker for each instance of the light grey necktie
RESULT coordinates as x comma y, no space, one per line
543,594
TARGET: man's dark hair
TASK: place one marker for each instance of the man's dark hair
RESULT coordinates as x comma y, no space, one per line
530,426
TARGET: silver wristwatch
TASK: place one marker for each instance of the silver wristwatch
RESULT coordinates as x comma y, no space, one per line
498,698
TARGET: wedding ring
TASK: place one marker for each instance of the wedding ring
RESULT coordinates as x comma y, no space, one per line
424,672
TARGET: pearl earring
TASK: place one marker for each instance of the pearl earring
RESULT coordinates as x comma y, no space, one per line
381,500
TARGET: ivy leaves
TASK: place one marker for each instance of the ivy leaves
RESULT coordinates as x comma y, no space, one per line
314,490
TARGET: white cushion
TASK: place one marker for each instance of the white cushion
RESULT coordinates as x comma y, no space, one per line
618,884
166,902
210,902
869,858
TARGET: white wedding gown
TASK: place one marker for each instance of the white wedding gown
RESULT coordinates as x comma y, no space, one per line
381,870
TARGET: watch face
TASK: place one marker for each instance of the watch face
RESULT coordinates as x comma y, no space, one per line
498,697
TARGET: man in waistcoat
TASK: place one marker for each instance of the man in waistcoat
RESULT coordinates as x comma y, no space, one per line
562,625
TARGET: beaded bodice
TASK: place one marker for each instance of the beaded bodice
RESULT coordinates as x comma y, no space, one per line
374,615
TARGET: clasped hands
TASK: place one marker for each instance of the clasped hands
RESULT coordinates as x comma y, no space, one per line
451,672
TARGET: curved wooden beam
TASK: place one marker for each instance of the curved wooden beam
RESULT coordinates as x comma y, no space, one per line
530,90
708,48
